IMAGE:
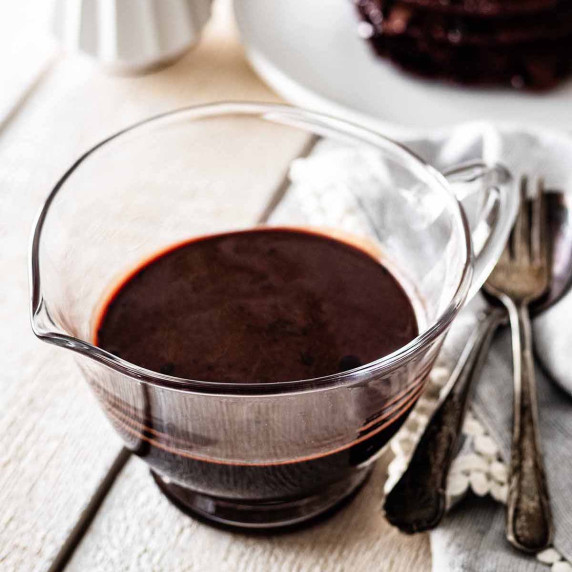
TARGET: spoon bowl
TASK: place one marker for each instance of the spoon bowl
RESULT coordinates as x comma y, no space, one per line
549,342
558,207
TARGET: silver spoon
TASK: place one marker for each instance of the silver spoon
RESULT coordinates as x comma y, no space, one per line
417,502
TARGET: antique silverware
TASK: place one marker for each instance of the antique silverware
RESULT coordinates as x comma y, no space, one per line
418,500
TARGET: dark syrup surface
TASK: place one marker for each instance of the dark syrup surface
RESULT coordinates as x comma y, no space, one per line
258,306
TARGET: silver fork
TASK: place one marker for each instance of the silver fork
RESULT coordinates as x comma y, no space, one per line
521,276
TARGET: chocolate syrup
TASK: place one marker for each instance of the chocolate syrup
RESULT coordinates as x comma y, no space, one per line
257,306
263,305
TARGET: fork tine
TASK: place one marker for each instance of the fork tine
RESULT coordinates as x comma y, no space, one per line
520,236
538,246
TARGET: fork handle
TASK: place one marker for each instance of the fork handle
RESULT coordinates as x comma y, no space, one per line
417,502
529,519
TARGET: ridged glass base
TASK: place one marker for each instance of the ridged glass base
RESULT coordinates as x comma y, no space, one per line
262,515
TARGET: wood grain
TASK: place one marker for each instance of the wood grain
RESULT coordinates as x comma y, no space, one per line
55,446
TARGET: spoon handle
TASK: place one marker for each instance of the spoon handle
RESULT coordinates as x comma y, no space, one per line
418,500
529,518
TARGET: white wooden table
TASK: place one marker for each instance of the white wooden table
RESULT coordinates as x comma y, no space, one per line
55,445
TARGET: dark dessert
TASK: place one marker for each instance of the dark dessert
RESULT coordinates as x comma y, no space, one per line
524,44
258,306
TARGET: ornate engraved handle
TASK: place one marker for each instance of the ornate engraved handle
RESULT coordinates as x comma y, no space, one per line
529,519
418,501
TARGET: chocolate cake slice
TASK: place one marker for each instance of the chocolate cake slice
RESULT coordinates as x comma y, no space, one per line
527,45
485,8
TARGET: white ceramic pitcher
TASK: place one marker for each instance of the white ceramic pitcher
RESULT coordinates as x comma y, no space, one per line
130,36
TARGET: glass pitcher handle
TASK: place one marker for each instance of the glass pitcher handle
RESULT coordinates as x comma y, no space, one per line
487,192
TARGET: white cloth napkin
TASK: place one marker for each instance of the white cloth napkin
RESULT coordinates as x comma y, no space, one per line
472,535
533,152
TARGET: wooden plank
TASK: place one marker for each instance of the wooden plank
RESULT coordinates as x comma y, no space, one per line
138,529
26,50
55,447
